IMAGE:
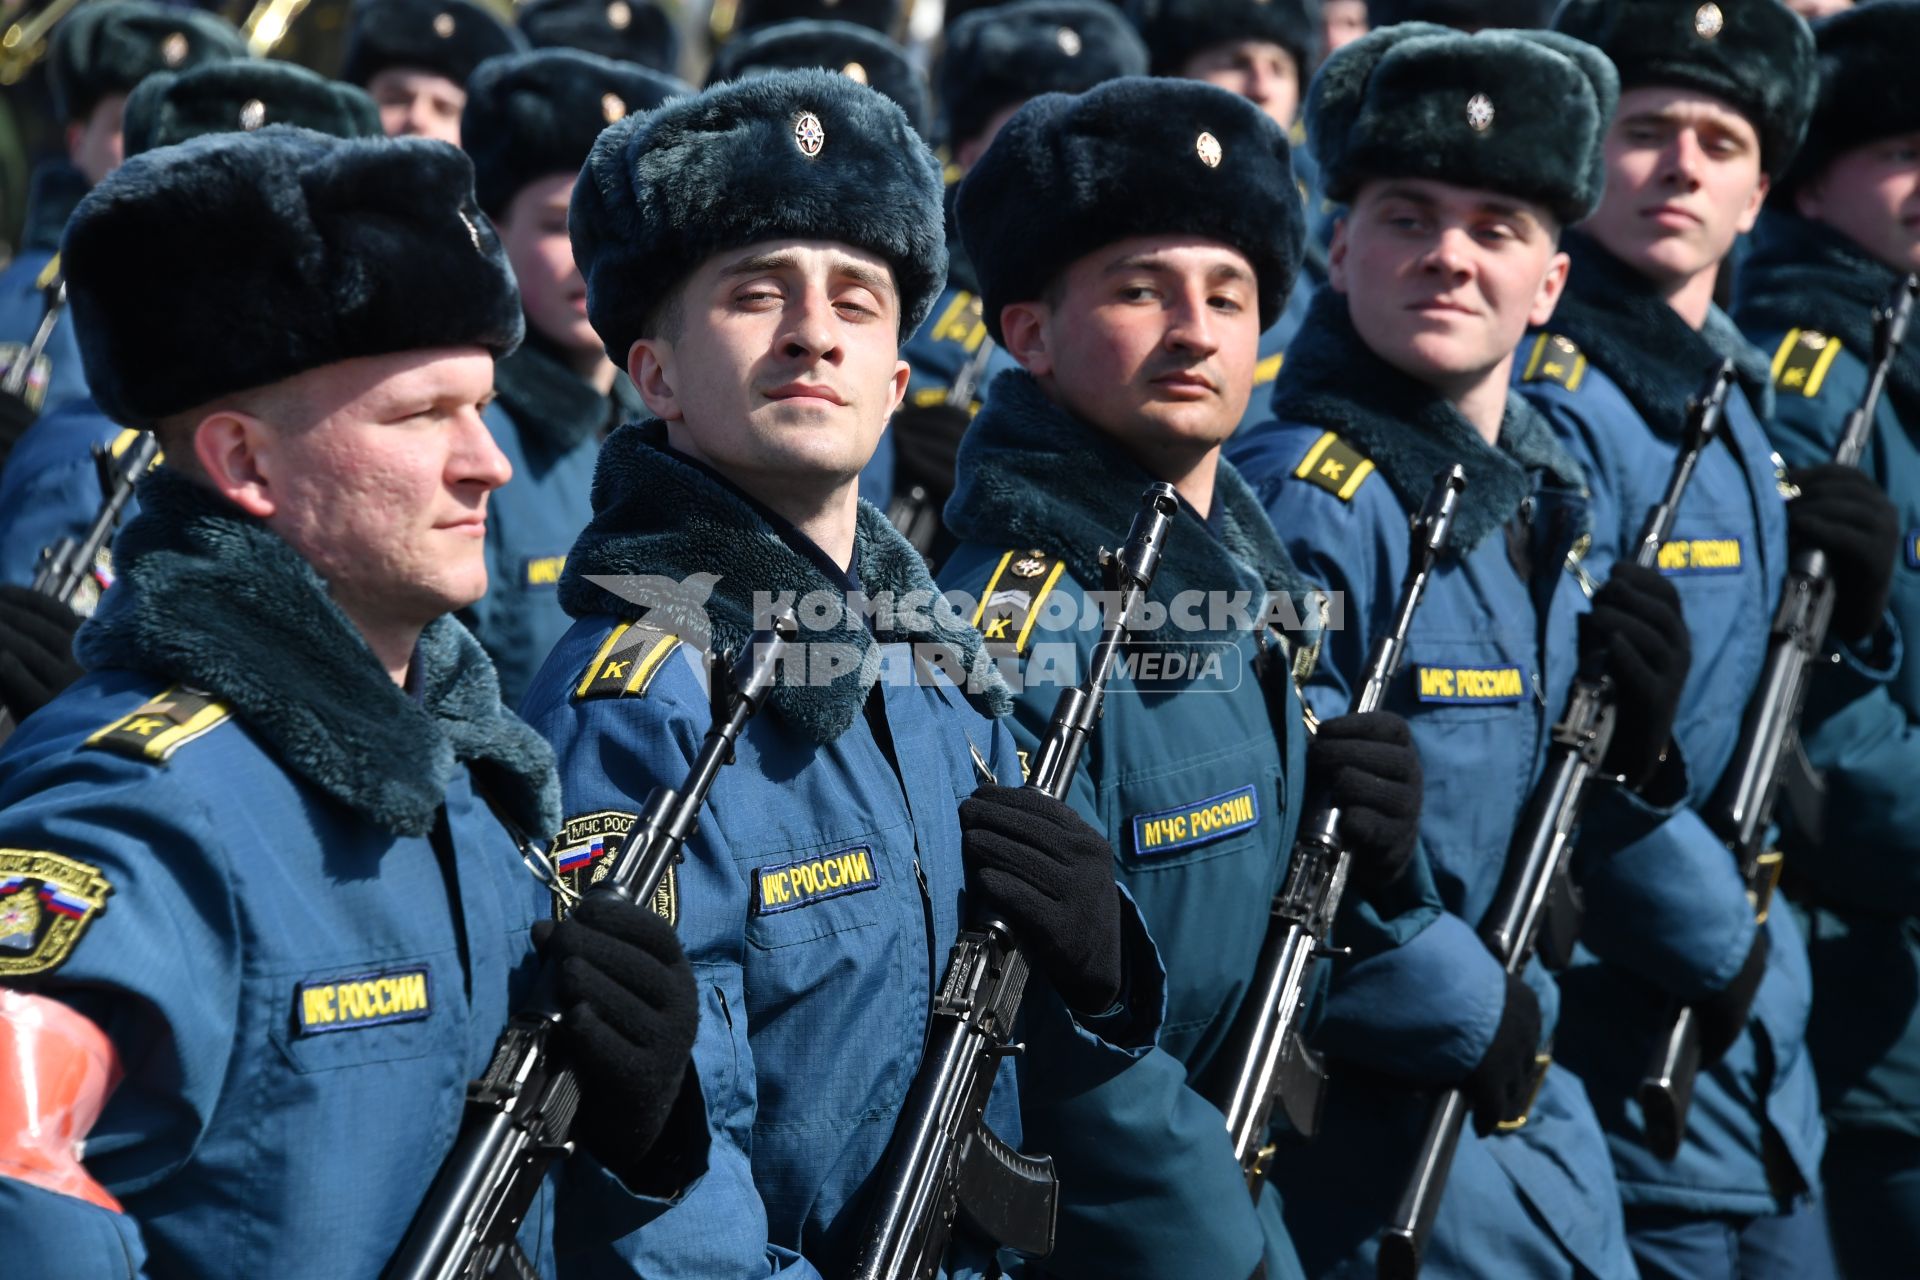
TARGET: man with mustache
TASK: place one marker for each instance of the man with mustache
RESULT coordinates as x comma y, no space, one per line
1714,101
1841,229
1448,251
1137,323
755,255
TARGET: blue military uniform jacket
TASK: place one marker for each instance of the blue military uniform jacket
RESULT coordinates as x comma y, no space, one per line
1805,299
50,488
549,423
823,889
1667,915
1349,460
1194,775
284,900
57,187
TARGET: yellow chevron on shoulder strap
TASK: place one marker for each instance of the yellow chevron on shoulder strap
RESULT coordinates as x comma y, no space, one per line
1335,466
1555,359
1802,361
1012,599
627,661
162,725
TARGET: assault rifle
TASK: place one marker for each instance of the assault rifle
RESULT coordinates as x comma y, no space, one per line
1741,813
1272,1065
943,1160
1539,856
519,1116
66,564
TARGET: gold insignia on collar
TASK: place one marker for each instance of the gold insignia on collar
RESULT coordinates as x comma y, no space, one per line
1480,112
253,114
1069,41
173,50
1708,21
855,72
443,25
808,135
613,107
1207,147
619,15
1031,565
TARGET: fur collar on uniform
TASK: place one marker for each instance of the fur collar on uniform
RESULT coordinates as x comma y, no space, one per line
1627,331
657,517
55,190
553,406
1333,379
212,598
1030,474
1802,275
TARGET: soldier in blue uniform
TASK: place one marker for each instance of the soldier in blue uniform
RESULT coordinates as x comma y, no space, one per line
1136,320
414,57
755,255
1834,238
55,491
1714,101
530,121
99,54
262,885
1457,185
866,57
995,59
1262,50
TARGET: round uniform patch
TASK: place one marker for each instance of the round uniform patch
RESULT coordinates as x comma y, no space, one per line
1708,21
808,135
619,15
1207,147
613,107
443,25
1480,112
173,50
46,901
253,114
1069,41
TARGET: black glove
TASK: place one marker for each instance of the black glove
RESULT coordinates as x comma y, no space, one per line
1723,1015
1367,767
36,650
1037,861
926,441
16,415
628,1016
1843,513
1637,634
1502,1085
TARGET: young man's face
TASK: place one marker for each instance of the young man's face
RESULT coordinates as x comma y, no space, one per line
1152,340
377,471
1442,281
1683,182
97,145
418,104
533,230
1871,195
782,365
1260,71
1341,23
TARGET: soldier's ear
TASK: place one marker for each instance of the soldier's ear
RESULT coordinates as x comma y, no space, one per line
1026,335
1337,257
651,365
1751,214
228,447
1552,284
